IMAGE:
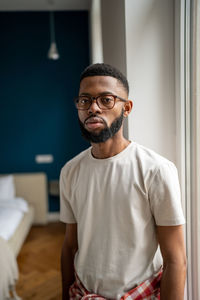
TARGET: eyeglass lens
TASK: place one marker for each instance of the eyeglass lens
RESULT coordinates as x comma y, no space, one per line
104,102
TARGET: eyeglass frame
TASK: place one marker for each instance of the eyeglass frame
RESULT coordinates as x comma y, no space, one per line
96,98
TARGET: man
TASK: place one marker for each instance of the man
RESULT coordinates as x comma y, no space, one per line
119,200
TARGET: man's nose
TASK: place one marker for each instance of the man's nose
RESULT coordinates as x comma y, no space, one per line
94,108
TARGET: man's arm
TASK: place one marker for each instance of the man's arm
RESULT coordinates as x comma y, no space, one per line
69,249
172,247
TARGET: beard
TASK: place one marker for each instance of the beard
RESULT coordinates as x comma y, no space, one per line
104,134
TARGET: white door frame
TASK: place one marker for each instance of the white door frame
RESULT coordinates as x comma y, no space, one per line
187,67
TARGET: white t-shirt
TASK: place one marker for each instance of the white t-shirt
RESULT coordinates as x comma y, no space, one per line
116,203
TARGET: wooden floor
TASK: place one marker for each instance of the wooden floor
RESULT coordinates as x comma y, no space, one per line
39,263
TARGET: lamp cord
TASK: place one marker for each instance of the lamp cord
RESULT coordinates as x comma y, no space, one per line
52,27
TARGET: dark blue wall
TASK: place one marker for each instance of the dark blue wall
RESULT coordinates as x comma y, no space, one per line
37,115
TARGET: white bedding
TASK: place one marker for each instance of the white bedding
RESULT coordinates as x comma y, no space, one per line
8,271
11,213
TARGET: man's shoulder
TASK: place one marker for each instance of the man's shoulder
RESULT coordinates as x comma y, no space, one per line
149,157
75,161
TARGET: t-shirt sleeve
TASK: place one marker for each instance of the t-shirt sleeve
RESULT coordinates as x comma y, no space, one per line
66,212
164,196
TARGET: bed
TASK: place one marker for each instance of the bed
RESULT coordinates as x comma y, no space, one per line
31,187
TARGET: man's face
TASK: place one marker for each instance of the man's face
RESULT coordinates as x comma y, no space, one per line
96,124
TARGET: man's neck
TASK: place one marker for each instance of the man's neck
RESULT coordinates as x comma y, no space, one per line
111,147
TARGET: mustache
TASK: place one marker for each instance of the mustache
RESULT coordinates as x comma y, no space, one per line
94,116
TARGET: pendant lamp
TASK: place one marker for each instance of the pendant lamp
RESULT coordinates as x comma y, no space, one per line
53,51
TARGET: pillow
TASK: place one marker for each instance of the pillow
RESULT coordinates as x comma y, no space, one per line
7,187
16,203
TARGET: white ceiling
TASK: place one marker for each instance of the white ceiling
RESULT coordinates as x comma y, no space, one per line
10,5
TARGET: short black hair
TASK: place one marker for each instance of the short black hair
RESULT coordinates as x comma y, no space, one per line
101,69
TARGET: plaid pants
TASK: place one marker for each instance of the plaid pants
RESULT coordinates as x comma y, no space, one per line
147,290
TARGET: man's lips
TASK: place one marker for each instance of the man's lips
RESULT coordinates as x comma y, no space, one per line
94,122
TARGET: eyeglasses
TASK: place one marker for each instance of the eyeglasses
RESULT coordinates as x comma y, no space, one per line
104,102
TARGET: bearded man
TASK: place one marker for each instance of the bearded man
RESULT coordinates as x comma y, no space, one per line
121,203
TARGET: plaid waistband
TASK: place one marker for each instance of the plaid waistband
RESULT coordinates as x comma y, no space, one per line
147,290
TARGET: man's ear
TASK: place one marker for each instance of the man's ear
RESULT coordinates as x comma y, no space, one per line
128,107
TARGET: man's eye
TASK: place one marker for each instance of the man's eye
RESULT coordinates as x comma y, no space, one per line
84,100
106,99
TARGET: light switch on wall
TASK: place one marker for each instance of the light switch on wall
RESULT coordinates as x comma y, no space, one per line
44,158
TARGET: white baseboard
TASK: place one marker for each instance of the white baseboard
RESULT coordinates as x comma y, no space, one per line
53,217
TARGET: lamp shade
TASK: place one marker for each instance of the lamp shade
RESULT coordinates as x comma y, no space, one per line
53,52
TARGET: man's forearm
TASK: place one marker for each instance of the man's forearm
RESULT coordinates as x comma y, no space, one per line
67,270
173,282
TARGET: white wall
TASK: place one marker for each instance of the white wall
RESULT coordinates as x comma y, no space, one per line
113,33
96,43
150,71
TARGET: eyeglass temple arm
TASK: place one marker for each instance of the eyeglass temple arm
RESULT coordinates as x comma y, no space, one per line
122,99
